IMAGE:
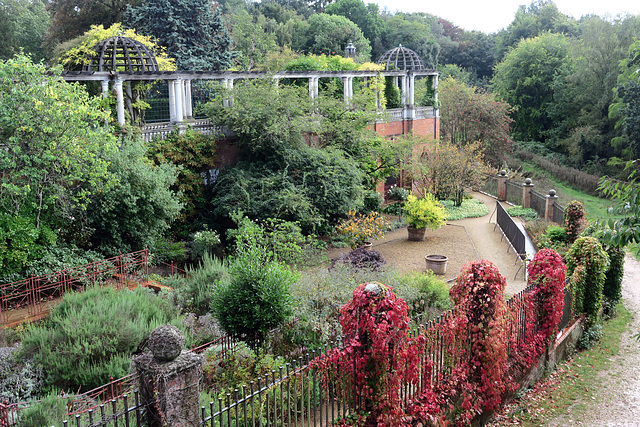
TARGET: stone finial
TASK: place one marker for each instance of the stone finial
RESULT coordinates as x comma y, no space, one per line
166,342
374,288
527,181
503,172
552,193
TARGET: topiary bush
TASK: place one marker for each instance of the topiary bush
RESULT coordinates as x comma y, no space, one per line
587,264
424,212
90,336
257,298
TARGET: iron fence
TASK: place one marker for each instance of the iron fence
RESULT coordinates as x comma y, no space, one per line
29,298
514,193
558,214
490,186
509,228
538,203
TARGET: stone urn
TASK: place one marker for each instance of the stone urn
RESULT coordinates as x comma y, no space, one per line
437,263
416,234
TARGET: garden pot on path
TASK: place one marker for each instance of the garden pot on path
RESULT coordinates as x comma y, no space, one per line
437,263
416,234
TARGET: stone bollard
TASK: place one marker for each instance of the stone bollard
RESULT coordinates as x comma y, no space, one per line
527,188
551,201
502,185
171,376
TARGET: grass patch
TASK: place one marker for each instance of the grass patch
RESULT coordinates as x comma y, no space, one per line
573,386
470,208
528,214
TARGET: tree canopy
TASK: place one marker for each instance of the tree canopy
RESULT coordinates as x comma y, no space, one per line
193,32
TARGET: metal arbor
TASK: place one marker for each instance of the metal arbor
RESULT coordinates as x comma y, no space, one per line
121,54
402,59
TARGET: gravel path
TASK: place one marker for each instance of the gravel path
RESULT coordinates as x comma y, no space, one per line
617,402
461,241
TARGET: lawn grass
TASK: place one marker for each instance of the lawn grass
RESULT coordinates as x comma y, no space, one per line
470,208
573,386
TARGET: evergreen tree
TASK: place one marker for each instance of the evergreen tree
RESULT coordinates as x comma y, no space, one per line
192,31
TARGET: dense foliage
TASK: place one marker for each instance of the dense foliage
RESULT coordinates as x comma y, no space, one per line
114,324
424,212
574,219
587,264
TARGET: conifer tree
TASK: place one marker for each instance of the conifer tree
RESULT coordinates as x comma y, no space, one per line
192,31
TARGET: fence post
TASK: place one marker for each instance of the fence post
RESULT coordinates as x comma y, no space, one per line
502,185
170,378
527,188
551,201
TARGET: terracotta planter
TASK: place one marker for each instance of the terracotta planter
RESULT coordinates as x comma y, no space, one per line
437,263
416,234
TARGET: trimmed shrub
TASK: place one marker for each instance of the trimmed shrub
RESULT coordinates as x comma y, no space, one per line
257,298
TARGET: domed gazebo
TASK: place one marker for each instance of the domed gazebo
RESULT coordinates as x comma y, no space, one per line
402,59
122,54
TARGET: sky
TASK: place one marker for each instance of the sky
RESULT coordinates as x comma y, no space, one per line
490,16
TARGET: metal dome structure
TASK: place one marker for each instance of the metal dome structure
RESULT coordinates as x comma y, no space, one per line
402,59
121,54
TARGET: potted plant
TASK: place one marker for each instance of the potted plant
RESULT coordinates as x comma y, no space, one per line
422,213
359,229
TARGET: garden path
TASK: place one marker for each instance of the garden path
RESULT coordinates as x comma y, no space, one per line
617,400
461,241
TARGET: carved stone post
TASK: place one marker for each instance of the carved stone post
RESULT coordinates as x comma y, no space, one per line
502,185
551,201
527,188
170,379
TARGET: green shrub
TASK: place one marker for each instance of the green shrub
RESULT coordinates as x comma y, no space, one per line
257,297
204,242
21,242
166,250
283,240
574,219
20,377
193,293
426,295
91,335
587,264
50,411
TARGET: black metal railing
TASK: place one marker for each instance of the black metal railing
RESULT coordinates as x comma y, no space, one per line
513,233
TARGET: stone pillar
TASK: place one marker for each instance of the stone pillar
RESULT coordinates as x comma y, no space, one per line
435,96
119,101
347,85
548,208
313,87
412,81
527,188
105,88
404,90
179,96
172,101
171,376
502,185
188,106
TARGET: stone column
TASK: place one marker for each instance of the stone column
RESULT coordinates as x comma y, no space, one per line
404,90
313,87
172,101
527,188
412,81
119,101
171,376
179,96
502,185
347,85
105,88
188,106
435,96
548,208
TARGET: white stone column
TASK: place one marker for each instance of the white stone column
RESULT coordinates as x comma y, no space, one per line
347,84
119,101
412,81
435,96
172,101
105,88
404,90
179,96
350,87
188,99
313,87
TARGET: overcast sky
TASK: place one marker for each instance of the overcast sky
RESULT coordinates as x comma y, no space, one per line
491,16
